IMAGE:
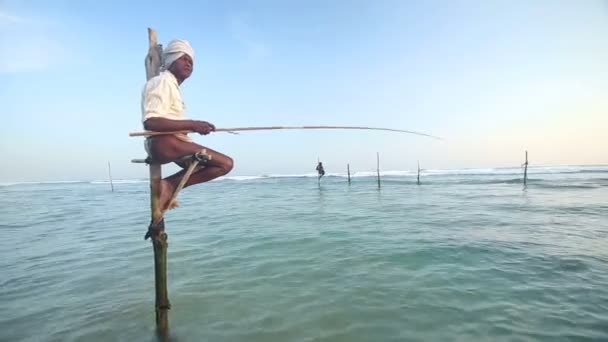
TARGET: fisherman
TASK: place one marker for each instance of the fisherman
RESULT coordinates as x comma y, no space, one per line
163,111
320,170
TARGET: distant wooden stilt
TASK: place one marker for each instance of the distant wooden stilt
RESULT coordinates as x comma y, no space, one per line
526,170
110,174
348,171
378,167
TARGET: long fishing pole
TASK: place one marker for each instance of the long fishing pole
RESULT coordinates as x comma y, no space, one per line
264,128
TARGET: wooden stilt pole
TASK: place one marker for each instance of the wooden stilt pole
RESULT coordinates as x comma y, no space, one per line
378,167
159,238
526,170
348,171
110,175
159,243
418,181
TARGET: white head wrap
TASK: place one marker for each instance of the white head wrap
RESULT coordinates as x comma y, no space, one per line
175,50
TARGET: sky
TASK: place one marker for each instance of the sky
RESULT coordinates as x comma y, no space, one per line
492,78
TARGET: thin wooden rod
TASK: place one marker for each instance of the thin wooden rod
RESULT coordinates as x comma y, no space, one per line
348,171
378,167
526,170
110,174
266,128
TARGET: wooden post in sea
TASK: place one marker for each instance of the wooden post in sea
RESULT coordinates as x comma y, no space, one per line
526,170
418,181
378,167
348,172
159,239
110,174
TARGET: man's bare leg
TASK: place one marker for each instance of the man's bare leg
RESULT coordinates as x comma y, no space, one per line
168,148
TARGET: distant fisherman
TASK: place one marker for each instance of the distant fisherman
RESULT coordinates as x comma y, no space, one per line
320,170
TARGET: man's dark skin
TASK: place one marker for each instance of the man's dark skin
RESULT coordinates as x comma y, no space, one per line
169,148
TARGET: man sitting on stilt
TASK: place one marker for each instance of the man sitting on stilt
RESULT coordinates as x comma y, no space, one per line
320,170
163,111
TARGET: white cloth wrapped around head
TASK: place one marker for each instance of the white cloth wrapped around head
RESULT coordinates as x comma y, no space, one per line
176,49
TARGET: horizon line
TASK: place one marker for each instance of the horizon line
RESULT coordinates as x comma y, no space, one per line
277,175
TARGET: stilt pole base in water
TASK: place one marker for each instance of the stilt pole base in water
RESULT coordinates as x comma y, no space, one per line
156,231
378,167
159,243
526,170
348,172
160,274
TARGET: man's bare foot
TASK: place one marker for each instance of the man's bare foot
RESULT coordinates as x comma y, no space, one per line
166,192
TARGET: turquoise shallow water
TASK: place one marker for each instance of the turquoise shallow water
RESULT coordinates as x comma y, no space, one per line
468,255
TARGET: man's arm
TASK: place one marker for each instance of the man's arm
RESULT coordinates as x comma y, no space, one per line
156,101
167,125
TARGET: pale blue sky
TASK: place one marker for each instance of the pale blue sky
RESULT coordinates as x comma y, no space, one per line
492,77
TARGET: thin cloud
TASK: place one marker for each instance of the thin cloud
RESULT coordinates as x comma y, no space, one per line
28,44
244,33
7,19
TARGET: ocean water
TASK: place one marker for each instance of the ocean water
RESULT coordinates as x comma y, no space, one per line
469,255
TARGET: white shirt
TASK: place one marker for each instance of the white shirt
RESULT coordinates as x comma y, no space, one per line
162,98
